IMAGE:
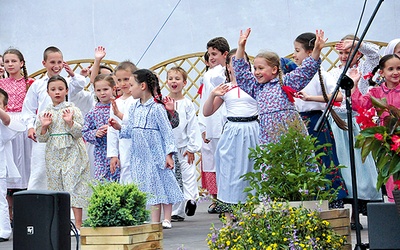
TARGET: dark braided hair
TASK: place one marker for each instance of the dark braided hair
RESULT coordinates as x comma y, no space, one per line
228,61
151,79
21,58
381,66
307,40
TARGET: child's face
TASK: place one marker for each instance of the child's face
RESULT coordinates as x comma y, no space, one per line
262,71
122,79
391,71
57,92
175,81
344,56
300,53
103,91
216,57
1,67
12,64
135,88
54,63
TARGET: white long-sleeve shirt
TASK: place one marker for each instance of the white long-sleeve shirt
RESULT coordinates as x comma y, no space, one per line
213,124
187,134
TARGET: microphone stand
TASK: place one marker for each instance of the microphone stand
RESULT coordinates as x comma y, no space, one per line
347,84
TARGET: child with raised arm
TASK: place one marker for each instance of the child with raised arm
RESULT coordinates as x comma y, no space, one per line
311,102
239,135
95,127
188,141
8,171
66,159
267,85
16,85
36,100
153,144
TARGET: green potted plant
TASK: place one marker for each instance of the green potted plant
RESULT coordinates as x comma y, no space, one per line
117,216
289,170
382,140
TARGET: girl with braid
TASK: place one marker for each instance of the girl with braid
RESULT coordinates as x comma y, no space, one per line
151,162
272,90
311,102
16,85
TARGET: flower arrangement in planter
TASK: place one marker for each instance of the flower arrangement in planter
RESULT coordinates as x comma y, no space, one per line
116,219
289,170
284,171
279,227
381,138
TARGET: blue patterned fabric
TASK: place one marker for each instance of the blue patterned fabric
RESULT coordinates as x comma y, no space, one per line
152,140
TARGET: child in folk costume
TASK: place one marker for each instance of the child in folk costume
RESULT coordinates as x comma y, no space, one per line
152,147
67,162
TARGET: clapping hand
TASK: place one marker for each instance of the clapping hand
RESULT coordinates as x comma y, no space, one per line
68,116
46,119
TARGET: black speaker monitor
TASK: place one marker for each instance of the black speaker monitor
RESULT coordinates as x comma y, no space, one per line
42,220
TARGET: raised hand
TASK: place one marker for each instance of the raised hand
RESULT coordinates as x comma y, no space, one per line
320,40
99,53
243,37
68,116
345,44
46,119
68,69
169,103
221,89
319,44
354,74
86,71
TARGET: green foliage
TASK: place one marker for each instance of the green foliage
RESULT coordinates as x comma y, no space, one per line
115,204
381,141
288,170
278,227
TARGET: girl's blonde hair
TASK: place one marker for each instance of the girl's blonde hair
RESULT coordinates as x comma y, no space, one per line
106,77
272,60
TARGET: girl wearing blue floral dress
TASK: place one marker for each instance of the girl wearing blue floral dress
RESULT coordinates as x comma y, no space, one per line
152,147
95,128
271,89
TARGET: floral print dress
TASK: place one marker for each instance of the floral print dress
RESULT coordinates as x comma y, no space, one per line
152,139
67,162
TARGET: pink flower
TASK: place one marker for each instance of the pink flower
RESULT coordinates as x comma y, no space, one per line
365,118
378,136
396,142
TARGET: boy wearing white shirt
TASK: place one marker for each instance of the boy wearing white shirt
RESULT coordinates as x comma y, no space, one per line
211,127
36,101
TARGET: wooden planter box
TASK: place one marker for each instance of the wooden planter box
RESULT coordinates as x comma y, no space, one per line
339,219
147,236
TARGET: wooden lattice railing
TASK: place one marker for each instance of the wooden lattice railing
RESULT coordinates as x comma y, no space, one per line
195,67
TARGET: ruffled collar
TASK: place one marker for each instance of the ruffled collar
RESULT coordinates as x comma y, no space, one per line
62,105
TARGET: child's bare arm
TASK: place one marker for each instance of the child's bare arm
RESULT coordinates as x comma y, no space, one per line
99,54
